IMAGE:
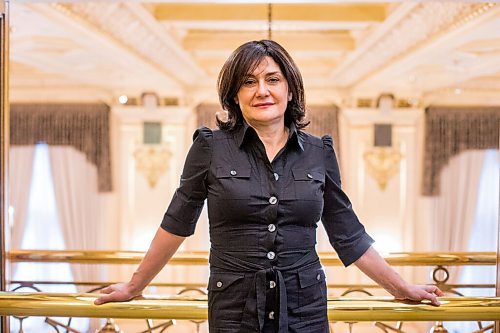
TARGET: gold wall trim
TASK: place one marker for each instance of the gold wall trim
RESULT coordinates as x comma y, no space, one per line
201,258
195,308
4,146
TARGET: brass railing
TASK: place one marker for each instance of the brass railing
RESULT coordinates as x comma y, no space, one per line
195,308
201,258
342,309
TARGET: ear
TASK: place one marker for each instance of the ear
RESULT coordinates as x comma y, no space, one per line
236,100
289,97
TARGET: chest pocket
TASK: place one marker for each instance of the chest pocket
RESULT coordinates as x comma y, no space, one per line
235,182
306,185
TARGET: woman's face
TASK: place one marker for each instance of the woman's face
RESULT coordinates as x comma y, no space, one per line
264,95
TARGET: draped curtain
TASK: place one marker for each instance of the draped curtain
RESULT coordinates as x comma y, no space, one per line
79,147
456,144
20,172
78,204
455,207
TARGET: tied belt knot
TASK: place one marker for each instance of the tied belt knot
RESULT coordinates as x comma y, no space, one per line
255,306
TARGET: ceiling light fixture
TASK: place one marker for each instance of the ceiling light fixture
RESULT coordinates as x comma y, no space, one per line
123,99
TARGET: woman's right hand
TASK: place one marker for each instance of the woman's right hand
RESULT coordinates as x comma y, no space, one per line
119,292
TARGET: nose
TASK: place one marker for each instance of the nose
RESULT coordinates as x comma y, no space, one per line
262,89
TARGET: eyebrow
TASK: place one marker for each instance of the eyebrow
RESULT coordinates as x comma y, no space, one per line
267,74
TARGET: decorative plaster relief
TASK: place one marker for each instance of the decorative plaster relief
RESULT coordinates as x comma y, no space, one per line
128,27
425,22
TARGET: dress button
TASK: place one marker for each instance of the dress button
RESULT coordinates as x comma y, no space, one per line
233,172
309,176
276,176
318,277
271,255
271,228
219,284
272,284
271,315
273,200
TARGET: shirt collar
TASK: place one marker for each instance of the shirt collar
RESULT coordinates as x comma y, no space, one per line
244,131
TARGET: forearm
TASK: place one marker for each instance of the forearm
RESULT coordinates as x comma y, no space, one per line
375,267
162,248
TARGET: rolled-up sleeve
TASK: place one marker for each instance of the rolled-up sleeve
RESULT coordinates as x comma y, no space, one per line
187,203
346,234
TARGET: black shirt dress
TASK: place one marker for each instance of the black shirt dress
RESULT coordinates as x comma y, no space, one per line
265,274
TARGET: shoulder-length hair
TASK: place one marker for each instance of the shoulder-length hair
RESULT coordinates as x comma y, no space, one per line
244,60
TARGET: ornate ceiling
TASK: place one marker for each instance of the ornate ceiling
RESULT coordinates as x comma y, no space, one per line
424,52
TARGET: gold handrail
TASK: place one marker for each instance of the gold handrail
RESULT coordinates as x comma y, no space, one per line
204,284
195,308
201,258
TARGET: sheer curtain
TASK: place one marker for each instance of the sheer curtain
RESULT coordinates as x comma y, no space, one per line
41,231
20,173
482,236
455,207
79,206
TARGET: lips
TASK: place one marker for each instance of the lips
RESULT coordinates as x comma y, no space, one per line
262,105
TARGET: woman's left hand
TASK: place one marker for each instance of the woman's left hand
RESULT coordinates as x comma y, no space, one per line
420,292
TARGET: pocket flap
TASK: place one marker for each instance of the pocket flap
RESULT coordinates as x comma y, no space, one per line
301,174
232,172
220,281
308,277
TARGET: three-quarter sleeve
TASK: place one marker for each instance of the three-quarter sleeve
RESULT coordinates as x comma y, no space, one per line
346,234
187,203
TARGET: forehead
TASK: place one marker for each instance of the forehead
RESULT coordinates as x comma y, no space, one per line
266,65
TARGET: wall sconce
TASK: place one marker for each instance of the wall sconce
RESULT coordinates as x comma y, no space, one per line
152,157
382,160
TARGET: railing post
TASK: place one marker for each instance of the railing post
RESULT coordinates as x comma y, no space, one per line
4,144
497,323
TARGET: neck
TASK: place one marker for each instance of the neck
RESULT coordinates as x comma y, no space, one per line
273,136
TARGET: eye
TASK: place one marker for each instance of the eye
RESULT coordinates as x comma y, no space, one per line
273,79
249,82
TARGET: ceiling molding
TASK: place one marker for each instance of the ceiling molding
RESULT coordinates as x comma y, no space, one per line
96,50
404,36
125,23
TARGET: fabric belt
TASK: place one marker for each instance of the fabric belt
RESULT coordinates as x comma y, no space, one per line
255,306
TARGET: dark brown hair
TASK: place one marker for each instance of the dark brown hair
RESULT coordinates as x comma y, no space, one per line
244,60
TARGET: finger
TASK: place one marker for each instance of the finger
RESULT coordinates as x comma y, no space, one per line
433,299
438,292
104,299
106,290
435,290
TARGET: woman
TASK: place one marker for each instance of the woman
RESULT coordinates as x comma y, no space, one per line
267,185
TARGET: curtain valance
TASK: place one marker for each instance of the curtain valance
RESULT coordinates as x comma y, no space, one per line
83,126
451,130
